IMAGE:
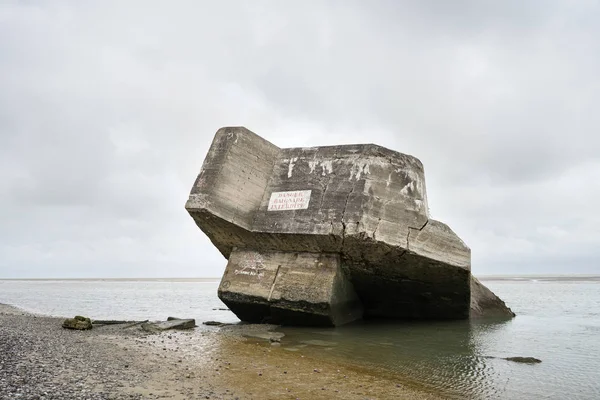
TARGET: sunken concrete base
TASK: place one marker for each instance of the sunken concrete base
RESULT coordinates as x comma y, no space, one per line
289,288
485,304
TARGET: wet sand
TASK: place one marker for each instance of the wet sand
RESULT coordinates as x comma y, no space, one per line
41,360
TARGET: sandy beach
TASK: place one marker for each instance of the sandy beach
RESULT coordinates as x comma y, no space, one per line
41,360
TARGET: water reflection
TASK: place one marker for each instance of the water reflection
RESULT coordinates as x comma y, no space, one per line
448,355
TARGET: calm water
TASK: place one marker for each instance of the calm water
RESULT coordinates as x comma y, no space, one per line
558,322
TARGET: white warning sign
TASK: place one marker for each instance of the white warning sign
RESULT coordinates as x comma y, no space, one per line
296,200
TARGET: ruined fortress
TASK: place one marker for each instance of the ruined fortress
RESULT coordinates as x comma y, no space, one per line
328,235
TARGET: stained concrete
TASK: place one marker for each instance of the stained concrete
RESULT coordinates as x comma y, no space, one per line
289,288
484,303
361,211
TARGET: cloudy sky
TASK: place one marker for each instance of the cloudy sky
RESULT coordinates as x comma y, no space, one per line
107,110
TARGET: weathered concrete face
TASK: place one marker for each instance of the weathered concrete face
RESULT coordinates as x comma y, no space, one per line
289,288
360,211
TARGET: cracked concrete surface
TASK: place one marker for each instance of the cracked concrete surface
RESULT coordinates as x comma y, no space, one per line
367,205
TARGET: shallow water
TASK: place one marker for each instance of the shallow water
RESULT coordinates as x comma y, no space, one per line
152,299
558,322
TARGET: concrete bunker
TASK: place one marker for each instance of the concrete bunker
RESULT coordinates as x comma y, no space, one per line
327,235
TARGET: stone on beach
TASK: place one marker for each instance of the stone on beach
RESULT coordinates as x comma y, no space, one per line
169,324
214,323
325,235
78,323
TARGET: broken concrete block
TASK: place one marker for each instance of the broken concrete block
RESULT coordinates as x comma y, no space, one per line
359,210
484,303
289,288
170,324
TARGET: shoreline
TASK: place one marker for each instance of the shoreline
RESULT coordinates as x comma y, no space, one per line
43,360
540,278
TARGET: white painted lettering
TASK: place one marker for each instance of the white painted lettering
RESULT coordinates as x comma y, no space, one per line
295,200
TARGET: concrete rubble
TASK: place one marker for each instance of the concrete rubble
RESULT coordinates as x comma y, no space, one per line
170,323
327,235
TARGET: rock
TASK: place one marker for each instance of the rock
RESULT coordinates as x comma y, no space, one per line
78,323
524,360
214,323
325,235
170,324
484,303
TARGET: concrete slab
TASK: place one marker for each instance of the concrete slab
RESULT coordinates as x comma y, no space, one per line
289,288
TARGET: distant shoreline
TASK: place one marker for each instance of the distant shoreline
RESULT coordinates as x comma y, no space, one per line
117,279
540,278
513,278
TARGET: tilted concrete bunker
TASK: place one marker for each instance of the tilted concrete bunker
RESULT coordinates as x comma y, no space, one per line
323,235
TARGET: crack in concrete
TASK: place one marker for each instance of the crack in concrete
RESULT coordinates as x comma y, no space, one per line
376,228
343,235
273,284
265,191
415,229
383,206
325,187
323,194
344,216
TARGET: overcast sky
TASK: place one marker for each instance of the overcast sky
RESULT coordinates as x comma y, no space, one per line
107,110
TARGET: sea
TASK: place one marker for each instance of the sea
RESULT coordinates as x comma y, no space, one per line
558,322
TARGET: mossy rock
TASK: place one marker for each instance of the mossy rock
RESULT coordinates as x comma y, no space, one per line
78,323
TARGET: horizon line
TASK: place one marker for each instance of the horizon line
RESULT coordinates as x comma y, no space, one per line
486,276
104,279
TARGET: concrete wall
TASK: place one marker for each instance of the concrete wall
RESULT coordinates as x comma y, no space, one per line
231,185
234,175
353,189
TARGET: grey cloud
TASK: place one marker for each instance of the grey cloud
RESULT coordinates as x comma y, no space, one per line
107,110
